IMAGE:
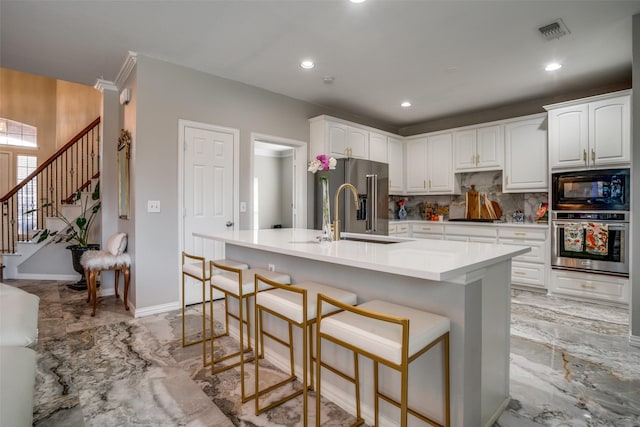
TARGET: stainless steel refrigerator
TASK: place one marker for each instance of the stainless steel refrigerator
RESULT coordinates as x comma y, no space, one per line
371,180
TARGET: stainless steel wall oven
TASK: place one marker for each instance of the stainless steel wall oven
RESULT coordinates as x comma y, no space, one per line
594,242
590,221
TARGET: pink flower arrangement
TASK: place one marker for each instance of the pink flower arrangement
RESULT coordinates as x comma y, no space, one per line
322,162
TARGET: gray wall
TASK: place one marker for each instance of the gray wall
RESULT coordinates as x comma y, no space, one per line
635,188
164,93
519,109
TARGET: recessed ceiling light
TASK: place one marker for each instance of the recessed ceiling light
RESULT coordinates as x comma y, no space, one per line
357,1
553,66
307,64
405,104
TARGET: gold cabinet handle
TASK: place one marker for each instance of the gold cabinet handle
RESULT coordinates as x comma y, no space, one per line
426,228
429,184
593,155
520,233
520,273
506,180
587,286
424,183
584,156
477,159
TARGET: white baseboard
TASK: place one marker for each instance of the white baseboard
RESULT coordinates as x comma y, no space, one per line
634,340
155,309
36,276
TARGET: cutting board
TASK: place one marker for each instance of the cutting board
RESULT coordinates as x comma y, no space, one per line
472,205
489,209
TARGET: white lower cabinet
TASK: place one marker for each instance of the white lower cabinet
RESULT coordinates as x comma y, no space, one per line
428,231
527,273
484,234
528,269
399,230
589,286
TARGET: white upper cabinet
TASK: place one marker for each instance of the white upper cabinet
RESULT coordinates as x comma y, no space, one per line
337,139
610,131
378,147
478,148
396,165
590,132
416,164
429,165
440,177
526,156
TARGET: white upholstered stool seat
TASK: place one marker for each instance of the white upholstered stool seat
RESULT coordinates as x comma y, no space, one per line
17,384
296,305
113,258
198,268
239,285
18,317
390,334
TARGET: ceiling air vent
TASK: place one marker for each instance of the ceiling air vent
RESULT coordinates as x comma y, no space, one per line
555,30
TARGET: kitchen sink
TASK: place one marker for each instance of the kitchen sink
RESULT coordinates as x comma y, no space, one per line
385,240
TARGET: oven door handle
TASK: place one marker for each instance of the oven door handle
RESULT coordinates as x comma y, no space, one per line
612,226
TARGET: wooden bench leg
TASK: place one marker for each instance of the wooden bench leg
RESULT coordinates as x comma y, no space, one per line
125,272
92,287
87,278
117,274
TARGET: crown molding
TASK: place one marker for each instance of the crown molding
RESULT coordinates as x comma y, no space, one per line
126,69
103,85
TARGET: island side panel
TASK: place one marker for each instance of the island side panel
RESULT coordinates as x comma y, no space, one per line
496,339
461,303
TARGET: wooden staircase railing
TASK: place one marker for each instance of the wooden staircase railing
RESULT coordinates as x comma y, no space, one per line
55,181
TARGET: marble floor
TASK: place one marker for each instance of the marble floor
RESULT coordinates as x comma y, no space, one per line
571,365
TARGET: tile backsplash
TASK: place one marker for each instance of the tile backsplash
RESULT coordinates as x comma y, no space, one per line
453,206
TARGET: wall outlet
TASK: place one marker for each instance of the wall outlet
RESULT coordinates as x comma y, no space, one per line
272,267
243,206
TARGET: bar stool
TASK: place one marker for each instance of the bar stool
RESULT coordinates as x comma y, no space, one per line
387,333
240,285
195,267
296,305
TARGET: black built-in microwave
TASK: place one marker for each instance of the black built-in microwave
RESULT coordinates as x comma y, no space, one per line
591,190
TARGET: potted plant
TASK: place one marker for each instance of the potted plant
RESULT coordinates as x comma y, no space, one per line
75,231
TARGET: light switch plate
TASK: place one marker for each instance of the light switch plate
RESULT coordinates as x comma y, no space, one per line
153,205
243,206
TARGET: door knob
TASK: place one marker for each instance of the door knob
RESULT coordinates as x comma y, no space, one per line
229,224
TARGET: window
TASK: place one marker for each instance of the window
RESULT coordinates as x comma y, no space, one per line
28,195
18,134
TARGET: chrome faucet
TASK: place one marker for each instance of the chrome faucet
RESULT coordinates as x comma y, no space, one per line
336,212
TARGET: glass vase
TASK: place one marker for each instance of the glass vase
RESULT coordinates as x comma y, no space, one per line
327,233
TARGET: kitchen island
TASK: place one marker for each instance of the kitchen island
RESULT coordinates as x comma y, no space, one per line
467,282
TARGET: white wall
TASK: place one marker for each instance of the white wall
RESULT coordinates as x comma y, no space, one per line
635,188
286,190
267,173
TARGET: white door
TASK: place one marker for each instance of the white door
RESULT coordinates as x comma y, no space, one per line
208,194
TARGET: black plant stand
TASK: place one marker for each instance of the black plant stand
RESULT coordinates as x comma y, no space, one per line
76,254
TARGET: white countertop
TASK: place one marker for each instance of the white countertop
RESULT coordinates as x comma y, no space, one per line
438,260
471,223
